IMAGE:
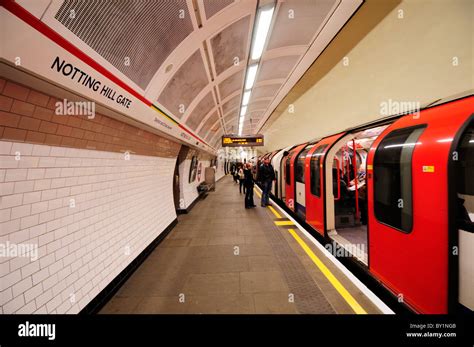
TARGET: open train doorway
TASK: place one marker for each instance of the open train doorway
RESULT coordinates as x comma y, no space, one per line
346,191
462,216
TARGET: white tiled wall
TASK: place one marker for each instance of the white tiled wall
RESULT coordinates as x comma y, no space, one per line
188,191
220,169
121,206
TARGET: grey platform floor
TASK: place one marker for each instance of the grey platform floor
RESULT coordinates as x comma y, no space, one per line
222,258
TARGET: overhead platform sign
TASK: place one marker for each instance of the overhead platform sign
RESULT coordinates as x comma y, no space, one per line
242,141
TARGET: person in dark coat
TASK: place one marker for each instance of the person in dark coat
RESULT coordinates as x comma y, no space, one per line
266,176
248,184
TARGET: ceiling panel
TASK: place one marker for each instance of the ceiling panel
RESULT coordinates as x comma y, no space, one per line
265,91
298,21
258,105
185,85
277,67
200,111
229,44
231,84
214,117
213,131
142,33
231,104
212,7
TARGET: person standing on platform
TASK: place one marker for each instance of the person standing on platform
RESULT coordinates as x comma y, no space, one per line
236,173
266,176
248,185
241,179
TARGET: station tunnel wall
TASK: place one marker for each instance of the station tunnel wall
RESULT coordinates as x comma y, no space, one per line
74,192
418,52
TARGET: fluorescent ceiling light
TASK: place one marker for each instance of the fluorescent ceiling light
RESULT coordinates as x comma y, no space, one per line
243,110
263,27
251,74
246,98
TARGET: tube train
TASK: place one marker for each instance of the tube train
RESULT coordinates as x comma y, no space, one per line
399,195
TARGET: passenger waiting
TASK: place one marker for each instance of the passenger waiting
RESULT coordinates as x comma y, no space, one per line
241,179
248,184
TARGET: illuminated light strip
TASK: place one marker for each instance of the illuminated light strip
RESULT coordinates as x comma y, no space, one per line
37,24
331,278
361,286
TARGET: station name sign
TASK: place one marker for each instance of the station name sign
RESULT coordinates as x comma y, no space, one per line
242,141
81,77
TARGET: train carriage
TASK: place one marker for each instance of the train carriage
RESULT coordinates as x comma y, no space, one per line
387,193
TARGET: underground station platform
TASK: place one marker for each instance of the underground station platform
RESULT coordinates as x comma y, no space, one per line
174,169
221,258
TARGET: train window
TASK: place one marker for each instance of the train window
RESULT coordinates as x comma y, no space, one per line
299,170
466,162
315,171
393,178
287,170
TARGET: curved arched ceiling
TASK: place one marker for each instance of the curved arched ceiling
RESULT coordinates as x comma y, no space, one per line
190,56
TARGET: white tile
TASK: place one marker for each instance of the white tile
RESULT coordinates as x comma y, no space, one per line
6,188
11,200
8,162
22,286
43,298
34,292
5,215
29,269
27,309
9,227
31,197
14,305
36,174
40,276
10,279
24,148
20,211
5,147
28,162
13,175
29,221
41,150
23,186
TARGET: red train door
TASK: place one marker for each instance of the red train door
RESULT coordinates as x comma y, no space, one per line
290,185
408,205
315,192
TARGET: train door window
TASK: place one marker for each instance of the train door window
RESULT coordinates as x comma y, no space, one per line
299,170
393,178
315,172
465,184
287,170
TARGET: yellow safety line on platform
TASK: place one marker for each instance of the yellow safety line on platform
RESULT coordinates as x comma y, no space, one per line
275,212
284,222
277,215
334,281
